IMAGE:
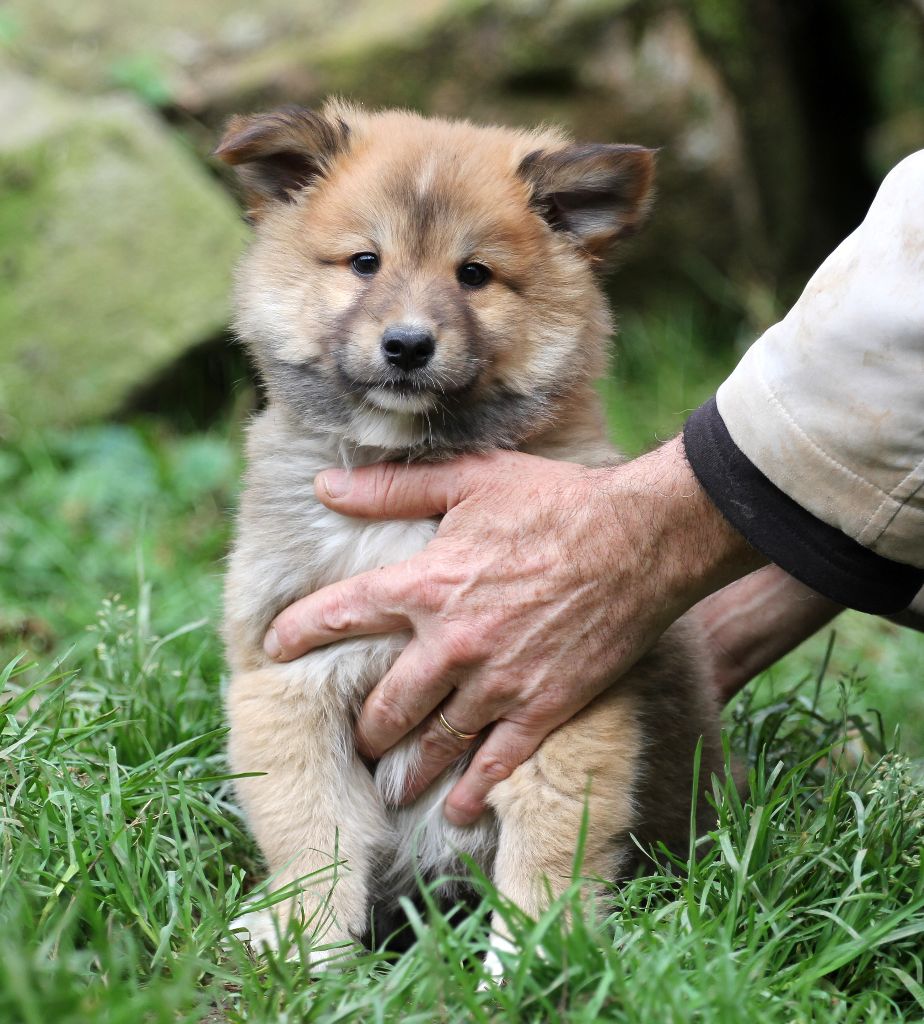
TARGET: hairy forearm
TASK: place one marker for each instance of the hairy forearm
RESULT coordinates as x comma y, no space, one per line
752,623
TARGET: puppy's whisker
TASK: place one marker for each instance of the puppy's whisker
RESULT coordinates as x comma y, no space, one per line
372,316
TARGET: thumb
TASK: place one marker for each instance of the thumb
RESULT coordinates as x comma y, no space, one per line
392,490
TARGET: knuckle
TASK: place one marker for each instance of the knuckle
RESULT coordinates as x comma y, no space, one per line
385,485
335,615
463,645
383,708
493,768
431,587
439,745
499,690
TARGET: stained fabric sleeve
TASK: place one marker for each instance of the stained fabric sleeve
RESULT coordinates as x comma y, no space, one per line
814,446
813,551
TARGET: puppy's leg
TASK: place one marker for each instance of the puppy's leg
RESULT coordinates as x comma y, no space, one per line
590,762
314,806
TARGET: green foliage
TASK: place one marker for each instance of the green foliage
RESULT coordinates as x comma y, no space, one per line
107,510
9,29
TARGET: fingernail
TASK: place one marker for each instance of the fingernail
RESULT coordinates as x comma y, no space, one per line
334,482
271,643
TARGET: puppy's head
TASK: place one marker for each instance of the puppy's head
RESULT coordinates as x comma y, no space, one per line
420,283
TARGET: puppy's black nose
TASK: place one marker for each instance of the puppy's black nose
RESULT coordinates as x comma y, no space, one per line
408,348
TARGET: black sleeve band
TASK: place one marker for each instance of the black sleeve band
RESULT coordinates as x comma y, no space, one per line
811,550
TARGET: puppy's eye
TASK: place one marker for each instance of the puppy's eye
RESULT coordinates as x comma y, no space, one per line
365,263
473,275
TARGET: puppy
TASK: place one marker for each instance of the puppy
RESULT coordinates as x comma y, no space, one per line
415,289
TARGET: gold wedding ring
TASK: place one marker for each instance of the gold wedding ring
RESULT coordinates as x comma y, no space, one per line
455,732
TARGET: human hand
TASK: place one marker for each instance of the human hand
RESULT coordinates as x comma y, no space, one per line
544,583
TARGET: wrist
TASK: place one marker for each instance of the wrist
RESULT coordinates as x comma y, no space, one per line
690,549
723,555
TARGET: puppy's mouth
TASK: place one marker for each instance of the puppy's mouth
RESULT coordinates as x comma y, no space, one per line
418,392
401,398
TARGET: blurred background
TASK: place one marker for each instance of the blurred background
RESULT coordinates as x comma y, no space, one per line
122,396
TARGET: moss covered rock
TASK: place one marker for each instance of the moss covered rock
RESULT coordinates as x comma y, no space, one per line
116,248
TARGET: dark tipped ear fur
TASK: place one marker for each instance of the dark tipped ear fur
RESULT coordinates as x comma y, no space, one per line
596,193
279,153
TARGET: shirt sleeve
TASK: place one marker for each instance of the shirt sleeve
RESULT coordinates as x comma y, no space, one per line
814,446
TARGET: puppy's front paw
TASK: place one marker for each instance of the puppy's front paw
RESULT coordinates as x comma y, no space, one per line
493,966
262,931
265,931
494,970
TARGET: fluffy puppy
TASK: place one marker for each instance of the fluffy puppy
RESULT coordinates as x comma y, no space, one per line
418,288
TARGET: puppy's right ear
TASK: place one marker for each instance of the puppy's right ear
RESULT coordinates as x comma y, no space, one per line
277,154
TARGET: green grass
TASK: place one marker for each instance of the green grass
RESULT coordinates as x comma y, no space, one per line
122,859
123,862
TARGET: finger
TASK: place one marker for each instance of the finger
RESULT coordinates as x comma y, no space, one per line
507,746
438,746
393,490
410,690
360,606
469,710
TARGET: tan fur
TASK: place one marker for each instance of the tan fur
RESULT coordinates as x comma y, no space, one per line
513,366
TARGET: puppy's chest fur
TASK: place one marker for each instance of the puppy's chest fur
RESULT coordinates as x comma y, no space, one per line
289,545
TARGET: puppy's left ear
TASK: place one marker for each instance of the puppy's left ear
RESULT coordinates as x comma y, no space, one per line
598,194
278,154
